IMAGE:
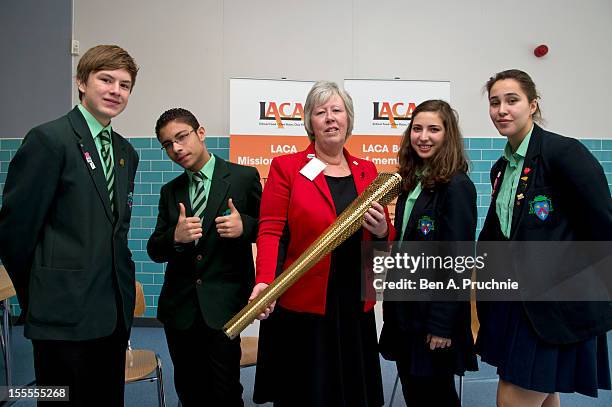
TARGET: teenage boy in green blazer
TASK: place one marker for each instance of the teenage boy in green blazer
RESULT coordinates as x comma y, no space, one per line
64,225
207,221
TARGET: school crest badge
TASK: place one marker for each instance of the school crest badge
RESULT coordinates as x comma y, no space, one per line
426,225
541,206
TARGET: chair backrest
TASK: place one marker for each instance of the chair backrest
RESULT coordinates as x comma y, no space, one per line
139,309
248,345
6,285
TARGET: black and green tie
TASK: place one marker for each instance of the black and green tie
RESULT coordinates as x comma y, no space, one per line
199,197
108,164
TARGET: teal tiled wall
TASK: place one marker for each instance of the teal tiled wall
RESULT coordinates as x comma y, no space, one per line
155,169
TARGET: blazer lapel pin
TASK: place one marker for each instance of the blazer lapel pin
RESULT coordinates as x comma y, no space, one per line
495,183
90,161
88,158
519,197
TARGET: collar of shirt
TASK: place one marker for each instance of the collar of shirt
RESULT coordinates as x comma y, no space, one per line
207,170
94,125
520,153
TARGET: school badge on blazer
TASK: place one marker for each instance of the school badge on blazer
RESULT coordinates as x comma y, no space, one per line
426,225
540,206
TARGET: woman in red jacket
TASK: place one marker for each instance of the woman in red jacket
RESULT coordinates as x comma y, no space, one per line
319,346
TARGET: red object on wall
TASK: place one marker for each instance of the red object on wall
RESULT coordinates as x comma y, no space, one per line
540,51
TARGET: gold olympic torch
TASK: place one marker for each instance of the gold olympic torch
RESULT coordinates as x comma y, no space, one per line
382,190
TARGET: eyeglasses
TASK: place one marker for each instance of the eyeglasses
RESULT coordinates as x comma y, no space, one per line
180,139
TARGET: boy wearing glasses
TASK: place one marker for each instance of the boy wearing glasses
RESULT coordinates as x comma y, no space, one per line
206,223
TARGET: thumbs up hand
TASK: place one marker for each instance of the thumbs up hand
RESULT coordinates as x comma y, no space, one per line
187,229
230,225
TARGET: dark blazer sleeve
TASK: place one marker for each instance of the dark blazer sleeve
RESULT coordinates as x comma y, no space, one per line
250,216
458,217
584,184
582,192
161,247
31,183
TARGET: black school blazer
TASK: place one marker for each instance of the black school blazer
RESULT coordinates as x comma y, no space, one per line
215,276
451,208
563,170
64,249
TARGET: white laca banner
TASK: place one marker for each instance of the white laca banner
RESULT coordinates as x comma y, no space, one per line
267,107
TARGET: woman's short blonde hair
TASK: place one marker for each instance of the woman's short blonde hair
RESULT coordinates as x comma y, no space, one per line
320,93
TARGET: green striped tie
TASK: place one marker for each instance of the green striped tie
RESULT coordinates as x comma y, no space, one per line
108,164
199,197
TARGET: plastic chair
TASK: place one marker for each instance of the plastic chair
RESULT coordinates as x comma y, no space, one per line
144,365
248,345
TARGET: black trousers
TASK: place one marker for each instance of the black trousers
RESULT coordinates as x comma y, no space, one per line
427,391
94,370
206,366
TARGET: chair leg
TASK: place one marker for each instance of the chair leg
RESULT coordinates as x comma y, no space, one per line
6,340
161,397
394,390
461,390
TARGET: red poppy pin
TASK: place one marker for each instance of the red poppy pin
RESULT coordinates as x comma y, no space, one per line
526,171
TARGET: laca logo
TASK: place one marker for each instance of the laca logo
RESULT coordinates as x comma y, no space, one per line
281,111
393,112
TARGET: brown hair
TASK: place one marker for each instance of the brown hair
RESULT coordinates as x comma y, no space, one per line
525,82
105,57
449,159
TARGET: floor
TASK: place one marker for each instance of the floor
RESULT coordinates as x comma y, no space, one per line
479,387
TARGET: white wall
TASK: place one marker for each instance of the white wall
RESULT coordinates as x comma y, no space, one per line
188,50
